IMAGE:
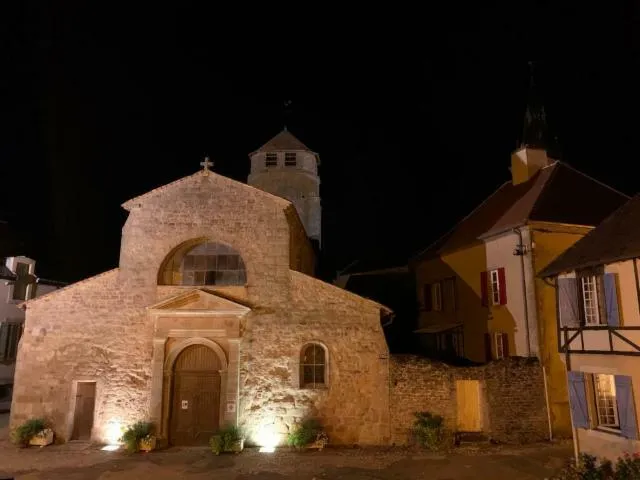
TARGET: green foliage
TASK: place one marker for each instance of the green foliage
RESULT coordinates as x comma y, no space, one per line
429,430
304,433
217,444
228,439
136,432
626,467
25,432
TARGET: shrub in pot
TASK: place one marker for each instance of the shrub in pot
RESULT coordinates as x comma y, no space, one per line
309,434
139,436
228,439
32,432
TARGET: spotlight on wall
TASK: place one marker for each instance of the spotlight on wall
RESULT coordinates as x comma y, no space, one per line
113,432
267,438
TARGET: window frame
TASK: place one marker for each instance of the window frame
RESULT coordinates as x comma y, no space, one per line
287,159
436,293
270,159
10,346
495,282
498,343
314,385
595,384
594,298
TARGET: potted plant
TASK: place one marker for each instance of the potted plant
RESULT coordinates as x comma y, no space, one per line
32,432
228,439
139,437
308,434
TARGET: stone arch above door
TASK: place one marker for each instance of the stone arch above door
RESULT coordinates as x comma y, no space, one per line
178,347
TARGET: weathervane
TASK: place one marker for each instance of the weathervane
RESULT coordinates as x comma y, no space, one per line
287,112
205,165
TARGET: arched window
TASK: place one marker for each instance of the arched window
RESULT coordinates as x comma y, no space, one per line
313,366
206,263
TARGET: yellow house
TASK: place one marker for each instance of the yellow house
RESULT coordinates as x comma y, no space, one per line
478,291
598,322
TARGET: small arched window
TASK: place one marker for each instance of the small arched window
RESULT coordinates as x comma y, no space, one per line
207,263
313,366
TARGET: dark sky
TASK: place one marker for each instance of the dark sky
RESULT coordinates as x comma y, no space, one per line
414,114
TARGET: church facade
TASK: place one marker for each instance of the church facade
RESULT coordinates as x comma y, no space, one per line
212,317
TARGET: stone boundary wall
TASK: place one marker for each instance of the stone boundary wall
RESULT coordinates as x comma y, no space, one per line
513,406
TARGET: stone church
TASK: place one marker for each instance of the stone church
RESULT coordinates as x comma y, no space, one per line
212,317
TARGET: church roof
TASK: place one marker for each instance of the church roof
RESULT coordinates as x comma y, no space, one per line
307,288
616,239
556,194
212,176
285,140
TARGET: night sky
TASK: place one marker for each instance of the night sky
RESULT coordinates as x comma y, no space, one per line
414,114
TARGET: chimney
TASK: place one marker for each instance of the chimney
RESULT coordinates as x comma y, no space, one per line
526,162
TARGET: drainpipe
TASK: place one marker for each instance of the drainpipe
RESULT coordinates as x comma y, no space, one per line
521,251
546,398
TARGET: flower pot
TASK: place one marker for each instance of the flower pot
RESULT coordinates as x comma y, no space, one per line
147,444
237,446
42,438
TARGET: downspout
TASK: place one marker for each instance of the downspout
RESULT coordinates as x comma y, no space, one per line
546,398
521,251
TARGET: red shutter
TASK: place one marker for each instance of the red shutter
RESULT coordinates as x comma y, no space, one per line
487,347
505,344
483,289
428,298
503,287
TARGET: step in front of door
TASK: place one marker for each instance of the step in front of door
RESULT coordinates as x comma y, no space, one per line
471,437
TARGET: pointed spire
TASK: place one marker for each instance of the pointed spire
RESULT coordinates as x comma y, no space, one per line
534,128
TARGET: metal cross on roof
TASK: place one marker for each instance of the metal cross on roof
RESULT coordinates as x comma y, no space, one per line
206,164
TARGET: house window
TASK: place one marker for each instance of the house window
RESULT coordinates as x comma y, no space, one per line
21,284
495,287
290,159
213,264
500,348
590,300
450,302
271,159
313,363
606,404
437,297
10,333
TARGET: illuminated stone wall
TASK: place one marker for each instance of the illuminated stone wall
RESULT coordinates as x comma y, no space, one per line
100,329
512,403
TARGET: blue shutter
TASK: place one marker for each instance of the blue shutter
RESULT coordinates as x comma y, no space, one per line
611,299
626,407
568,304
578,399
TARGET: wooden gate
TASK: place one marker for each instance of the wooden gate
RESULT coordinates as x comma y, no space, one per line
468,406
83,413
195,402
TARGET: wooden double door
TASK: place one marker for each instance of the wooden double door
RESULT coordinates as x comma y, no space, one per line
195,404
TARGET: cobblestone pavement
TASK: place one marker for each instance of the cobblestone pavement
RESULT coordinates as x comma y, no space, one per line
80,461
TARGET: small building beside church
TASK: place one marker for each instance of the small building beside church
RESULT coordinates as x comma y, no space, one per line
212,317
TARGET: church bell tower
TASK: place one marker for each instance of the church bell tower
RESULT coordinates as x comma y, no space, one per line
286,167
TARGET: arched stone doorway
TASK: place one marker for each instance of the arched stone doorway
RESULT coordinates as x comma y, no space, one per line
195,396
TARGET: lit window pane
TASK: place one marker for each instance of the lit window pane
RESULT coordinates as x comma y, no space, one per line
606,403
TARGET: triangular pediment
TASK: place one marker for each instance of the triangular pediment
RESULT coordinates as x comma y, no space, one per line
199,302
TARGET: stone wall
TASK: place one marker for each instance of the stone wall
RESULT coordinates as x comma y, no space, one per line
354,407
512,396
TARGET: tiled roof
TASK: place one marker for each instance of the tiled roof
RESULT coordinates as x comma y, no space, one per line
558,193
285,140
616,238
